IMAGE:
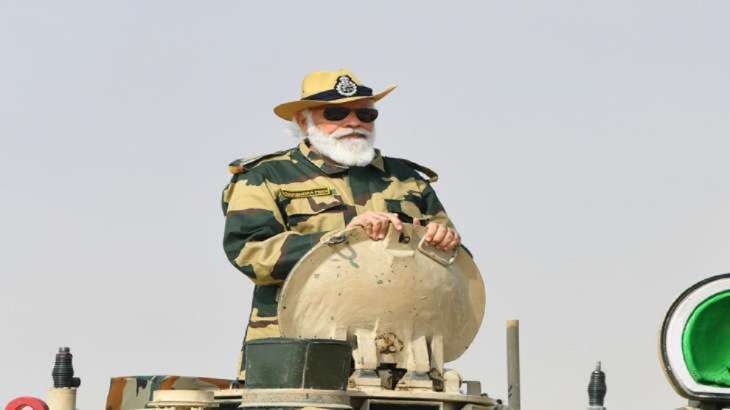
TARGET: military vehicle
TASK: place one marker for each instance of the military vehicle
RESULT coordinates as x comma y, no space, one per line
371,325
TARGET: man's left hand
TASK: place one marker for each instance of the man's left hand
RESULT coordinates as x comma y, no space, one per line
441,236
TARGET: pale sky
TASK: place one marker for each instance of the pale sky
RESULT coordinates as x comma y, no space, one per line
582,147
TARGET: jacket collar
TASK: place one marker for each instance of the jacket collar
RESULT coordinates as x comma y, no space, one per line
330,167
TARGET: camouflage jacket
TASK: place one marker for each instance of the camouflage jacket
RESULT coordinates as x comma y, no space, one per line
278,206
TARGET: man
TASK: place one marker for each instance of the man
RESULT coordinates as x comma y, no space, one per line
279,206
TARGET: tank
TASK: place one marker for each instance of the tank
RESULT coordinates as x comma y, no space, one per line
372,325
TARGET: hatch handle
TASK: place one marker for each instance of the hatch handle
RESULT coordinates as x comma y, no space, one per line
445,258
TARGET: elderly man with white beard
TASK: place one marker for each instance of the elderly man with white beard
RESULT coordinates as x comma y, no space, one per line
278,206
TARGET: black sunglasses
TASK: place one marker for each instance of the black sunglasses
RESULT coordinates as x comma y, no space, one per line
337,113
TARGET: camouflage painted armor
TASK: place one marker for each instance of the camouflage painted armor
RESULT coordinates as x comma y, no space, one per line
134,392
279,206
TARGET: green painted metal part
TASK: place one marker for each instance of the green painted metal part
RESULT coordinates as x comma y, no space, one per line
278,363
706,341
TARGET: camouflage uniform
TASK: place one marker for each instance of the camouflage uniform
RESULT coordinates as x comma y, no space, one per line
279,206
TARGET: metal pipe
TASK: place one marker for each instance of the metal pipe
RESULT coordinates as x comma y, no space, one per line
62,398
513,364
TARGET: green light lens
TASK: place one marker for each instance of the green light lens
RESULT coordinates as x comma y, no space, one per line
706,341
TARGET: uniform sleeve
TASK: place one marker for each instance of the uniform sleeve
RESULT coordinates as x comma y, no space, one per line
255,238
431,207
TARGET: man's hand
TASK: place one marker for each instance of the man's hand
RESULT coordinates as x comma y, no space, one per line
441,236
376,224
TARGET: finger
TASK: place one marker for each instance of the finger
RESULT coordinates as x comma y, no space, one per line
378,228
368,228
430,231
438,236
448,238
455,241
385,224
375,223
395,221
453,244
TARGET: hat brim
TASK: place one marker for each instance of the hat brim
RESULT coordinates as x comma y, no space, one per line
288,109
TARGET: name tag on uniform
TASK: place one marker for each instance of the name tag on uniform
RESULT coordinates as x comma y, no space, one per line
306,193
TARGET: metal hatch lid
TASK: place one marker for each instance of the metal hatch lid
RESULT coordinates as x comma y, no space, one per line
350,284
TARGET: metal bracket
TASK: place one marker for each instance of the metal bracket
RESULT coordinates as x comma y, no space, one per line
337,239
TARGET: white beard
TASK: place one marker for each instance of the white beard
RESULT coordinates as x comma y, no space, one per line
357,152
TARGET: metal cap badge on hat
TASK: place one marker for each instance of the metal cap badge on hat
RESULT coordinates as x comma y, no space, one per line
329,87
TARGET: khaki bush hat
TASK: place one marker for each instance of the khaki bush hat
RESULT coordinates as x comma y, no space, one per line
328,87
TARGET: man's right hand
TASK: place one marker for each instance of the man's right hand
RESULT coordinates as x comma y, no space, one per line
376,224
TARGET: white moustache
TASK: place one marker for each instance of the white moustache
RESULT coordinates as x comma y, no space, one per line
343,132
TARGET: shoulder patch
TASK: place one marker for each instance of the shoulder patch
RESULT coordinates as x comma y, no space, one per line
431,174
242,165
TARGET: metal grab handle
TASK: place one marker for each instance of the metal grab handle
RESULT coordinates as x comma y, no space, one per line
442,257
